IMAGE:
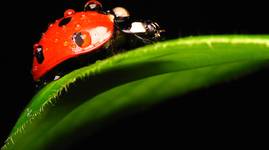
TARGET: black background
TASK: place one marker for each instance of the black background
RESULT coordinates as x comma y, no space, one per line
234,109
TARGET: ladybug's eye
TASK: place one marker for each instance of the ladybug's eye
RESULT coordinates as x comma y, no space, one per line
38,52
93,5
82,39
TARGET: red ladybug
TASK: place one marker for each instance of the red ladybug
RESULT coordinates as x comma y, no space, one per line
85,32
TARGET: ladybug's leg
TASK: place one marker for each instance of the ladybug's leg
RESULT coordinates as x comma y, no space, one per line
118,43
153,30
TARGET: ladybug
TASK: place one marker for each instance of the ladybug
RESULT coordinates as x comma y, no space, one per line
79,35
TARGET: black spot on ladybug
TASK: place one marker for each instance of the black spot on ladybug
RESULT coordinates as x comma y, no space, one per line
77,37
64,21
39,54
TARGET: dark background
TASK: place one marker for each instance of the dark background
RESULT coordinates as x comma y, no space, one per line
234,109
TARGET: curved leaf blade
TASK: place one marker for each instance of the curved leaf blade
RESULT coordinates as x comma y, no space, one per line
174,57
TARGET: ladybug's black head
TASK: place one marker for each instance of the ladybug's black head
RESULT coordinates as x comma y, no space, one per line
93,5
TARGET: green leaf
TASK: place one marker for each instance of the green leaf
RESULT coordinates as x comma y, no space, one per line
88,98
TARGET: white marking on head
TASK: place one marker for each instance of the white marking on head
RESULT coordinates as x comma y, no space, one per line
137,27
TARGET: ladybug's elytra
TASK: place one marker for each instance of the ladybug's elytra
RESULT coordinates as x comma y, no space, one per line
80,33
